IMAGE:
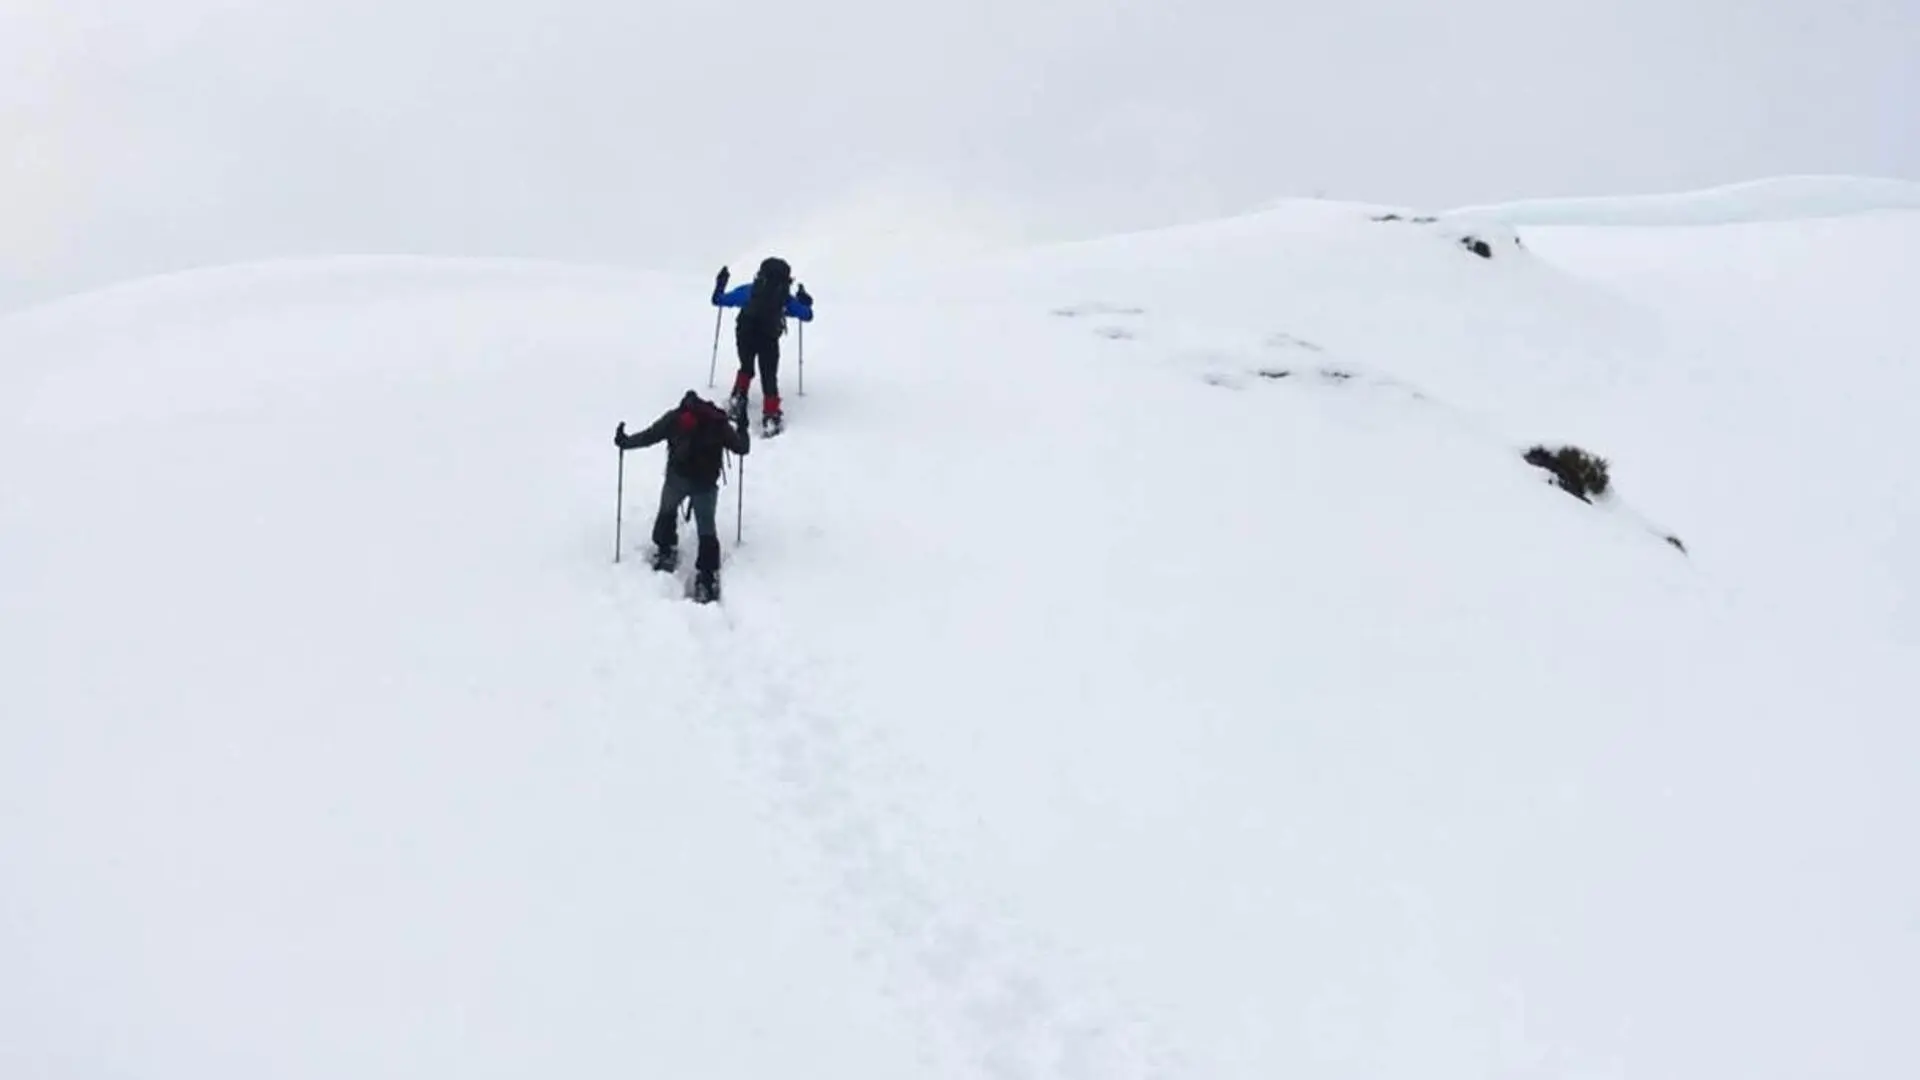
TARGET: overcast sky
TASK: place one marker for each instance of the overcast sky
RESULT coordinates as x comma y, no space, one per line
145,135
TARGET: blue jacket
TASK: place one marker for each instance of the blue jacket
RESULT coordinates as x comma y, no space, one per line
737,297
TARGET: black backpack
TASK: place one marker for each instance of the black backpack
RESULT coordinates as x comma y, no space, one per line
766,308
696,443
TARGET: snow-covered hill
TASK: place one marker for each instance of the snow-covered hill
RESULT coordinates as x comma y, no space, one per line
1786,198
1147,657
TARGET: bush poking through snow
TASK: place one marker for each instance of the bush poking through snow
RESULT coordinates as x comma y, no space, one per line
1578,473
1479,236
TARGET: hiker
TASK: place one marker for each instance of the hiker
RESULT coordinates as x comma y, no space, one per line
764,307
697,433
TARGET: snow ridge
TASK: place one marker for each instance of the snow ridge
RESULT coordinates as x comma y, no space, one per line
1789,198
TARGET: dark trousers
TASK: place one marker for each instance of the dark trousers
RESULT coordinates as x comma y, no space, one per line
761,347
675,490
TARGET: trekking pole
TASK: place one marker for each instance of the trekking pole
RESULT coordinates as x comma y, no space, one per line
740,506
803,359
619,504
713,363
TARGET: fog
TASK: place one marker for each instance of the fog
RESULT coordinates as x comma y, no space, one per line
143,136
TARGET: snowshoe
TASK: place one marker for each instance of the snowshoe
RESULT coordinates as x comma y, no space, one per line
772,424
666,560
706,588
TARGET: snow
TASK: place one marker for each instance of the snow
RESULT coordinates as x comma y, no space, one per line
1785,198
1146,657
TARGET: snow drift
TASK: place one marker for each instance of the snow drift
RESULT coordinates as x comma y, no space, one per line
1148,657
1789,198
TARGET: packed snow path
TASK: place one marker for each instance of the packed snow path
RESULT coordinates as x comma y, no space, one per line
972,984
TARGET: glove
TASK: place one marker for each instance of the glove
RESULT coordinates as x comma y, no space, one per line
804,296
620,435
720,280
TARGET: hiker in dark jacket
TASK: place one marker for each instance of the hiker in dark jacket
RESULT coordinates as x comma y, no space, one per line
765,305
698,434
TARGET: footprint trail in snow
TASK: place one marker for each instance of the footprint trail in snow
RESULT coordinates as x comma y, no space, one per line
1001,1004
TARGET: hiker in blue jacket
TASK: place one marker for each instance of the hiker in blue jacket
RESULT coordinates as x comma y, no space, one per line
765,305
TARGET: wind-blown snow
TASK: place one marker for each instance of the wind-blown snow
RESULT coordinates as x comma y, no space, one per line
1147,657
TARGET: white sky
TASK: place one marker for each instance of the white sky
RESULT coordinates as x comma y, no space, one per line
145,135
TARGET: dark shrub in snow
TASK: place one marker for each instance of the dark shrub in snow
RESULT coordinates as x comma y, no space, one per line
1478,236
1579,473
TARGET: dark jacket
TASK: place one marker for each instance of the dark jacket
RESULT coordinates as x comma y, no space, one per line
697,433
774,325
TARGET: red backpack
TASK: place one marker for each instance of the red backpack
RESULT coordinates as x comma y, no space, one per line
697,413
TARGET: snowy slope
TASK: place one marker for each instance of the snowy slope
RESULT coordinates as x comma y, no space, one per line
1146,658
1789,198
